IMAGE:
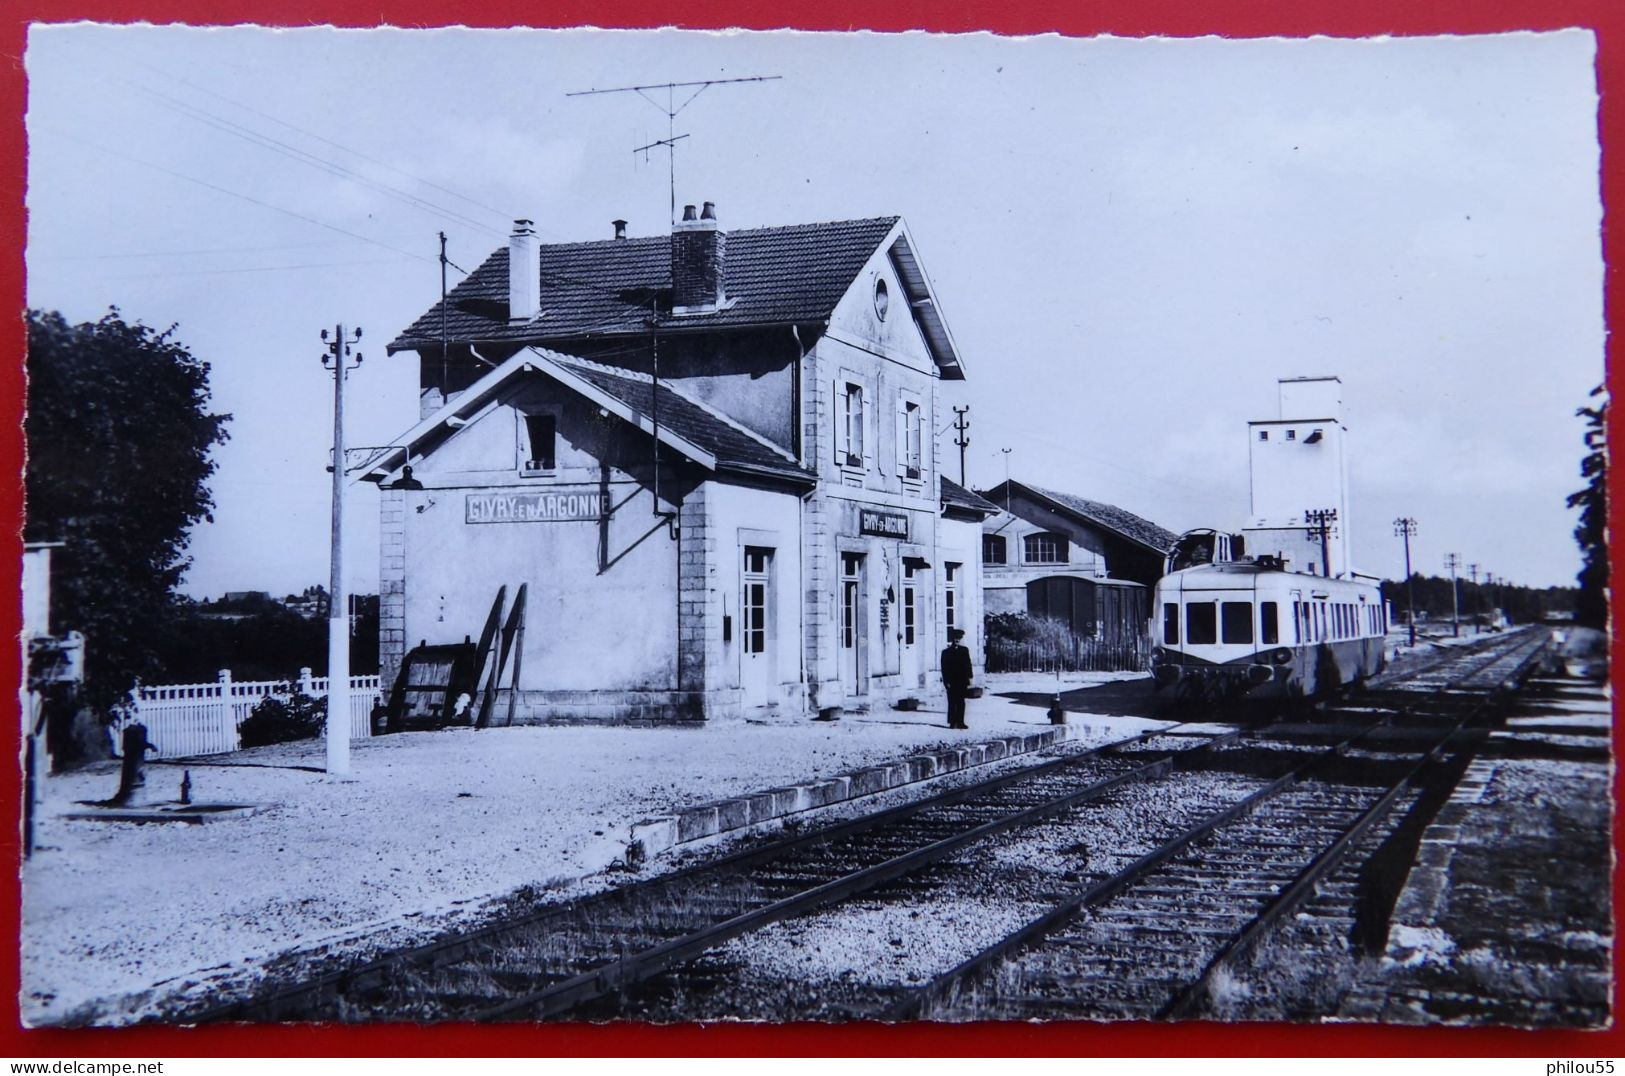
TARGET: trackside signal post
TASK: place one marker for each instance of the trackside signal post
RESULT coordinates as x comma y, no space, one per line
337,360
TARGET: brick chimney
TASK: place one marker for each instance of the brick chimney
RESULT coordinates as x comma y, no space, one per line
524,273
698,253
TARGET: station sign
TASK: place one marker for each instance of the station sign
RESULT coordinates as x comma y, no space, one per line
883,524
556,505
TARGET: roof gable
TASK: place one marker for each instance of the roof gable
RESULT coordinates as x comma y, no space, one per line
696,431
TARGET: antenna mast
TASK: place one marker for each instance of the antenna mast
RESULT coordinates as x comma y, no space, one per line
671,108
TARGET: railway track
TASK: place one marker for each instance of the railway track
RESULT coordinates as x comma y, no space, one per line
613,952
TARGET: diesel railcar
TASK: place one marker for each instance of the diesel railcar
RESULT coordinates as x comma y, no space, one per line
1225,626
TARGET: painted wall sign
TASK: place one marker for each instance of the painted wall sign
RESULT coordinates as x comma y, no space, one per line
883,524
543,506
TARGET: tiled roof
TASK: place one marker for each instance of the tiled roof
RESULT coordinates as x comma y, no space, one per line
1113,518
688,419
957,496
773,276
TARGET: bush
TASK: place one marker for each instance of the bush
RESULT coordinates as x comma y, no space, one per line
284,720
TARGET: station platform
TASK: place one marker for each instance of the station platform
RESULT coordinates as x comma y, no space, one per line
433,829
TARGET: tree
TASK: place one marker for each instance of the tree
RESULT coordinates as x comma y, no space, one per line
1592,501
119,434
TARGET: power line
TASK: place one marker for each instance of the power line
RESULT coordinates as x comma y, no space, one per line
276,145
326,141
243,197
255,269
198,251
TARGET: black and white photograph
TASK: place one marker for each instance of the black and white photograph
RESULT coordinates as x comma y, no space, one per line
679,527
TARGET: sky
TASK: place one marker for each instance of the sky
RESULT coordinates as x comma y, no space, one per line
1131,241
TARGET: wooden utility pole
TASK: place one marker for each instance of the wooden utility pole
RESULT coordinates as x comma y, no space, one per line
336,359
1405,527
1452,562
1320,522
962,438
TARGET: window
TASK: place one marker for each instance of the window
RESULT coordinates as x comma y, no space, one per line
1269,627
910,444
1237,622
753,607
993,549
849,450
541,433
950,596
1292,435
909,604
1170,624
1201,624
1043,548
1263,435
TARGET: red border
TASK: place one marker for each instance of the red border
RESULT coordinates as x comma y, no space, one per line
1239,18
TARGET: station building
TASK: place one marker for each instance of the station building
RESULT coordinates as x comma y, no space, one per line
1061,557
708,458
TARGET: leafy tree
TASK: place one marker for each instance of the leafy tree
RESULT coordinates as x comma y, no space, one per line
1592,501
119,434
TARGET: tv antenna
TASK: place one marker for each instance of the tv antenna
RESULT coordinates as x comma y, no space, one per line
671,108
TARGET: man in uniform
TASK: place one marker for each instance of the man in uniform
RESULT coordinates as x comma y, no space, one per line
956,677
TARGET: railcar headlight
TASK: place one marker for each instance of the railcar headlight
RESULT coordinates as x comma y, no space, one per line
1281,656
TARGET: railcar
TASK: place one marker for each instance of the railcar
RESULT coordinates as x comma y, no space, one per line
1226,626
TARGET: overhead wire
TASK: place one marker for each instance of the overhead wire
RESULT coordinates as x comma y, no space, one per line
243,197
276,145
324,140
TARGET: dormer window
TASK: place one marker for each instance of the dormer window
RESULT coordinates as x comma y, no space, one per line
541,437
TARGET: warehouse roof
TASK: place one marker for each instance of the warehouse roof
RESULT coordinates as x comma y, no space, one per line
1110,517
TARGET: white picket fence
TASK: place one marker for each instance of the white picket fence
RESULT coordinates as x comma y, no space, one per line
202,719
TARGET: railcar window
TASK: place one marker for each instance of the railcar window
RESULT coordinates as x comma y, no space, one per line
1170,624
1268,625
1237,621
1201,623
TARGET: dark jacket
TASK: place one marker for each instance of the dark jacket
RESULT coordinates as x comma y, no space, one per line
956,667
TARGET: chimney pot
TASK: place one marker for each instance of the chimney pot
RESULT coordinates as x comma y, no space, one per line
688,212
620,228
709,212
524,273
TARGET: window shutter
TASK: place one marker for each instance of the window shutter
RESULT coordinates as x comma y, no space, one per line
837,410
868,428
900,442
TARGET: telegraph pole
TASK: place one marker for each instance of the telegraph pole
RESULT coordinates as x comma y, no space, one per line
1452,562
1006,452
962,437
336,359
1477,595
1405,527
1320,522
